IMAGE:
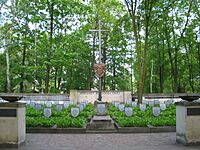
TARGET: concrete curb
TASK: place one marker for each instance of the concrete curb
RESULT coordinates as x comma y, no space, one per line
119,130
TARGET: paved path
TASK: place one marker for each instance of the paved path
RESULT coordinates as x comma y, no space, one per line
115,141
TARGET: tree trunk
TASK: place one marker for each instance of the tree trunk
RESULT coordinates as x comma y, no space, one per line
51,10
21,89
8,69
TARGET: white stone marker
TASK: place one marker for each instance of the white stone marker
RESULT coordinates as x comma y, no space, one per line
75,112
142,107
156,111
48,104
134,104
117,103
162,106
151,103
47,112
38,106
101,108
59,107
66,104
121,107
32,104
156,102
128,111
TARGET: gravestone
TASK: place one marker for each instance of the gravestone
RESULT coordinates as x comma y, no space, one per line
142,107
167,103
48,104
32,104
101,108
134,104
121,107
151,103
66,104
156,111
59,107
128,111
162,106
56,102
38,106
71,102
156,102
117,103
144,102
47,112
75,112
129,102
81,106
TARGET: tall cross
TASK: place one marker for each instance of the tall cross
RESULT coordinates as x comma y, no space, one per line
100,55
99,31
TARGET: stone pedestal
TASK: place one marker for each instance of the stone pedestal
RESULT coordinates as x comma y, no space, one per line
101,124
188,123
12,124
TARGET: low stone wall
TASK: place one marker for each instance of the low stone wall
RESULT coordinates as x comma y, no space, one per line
107,96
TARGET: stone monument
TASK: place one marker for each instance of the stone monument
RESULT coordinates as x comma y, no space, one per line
12,122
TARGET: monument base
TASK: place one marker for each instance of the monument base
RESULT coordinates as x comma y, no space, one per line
102,124
12,124
188,123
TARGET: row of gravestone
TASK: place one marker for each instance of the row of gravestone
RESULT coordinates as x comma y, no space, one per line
155,109
47,111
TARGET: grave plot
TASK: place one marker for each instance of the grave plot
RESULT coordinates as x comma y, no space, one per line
58,115
146,114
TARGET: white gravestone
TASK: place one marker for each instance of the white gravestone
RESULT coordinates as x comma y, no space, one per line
38,106
167,103
162,106
48,104
117,103
121,107
56,102
129,102
47,112
66,104
151,103
101,108
71,102
75,112
144,101
156,102
128,111
32,104
81,106
59,107
134,104
142,107
156,111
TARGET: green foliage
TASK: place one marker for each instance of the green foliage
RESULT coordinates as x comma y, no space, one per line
62,119
143,119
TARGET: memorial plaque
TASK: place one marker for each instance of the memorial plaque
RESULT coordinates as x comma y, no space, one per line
193,111
59,107
66,104
128,111
156,111
32,104
38,106
47,112
101,108
163,106
48,104
121,107
142,107
75,112
134,104
8,113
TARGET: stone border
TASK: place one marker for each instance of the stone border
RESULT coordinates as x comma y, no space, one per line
119,130
55,130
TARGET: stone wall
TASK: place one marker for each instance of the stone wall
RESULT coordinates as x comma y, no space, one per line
107,96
